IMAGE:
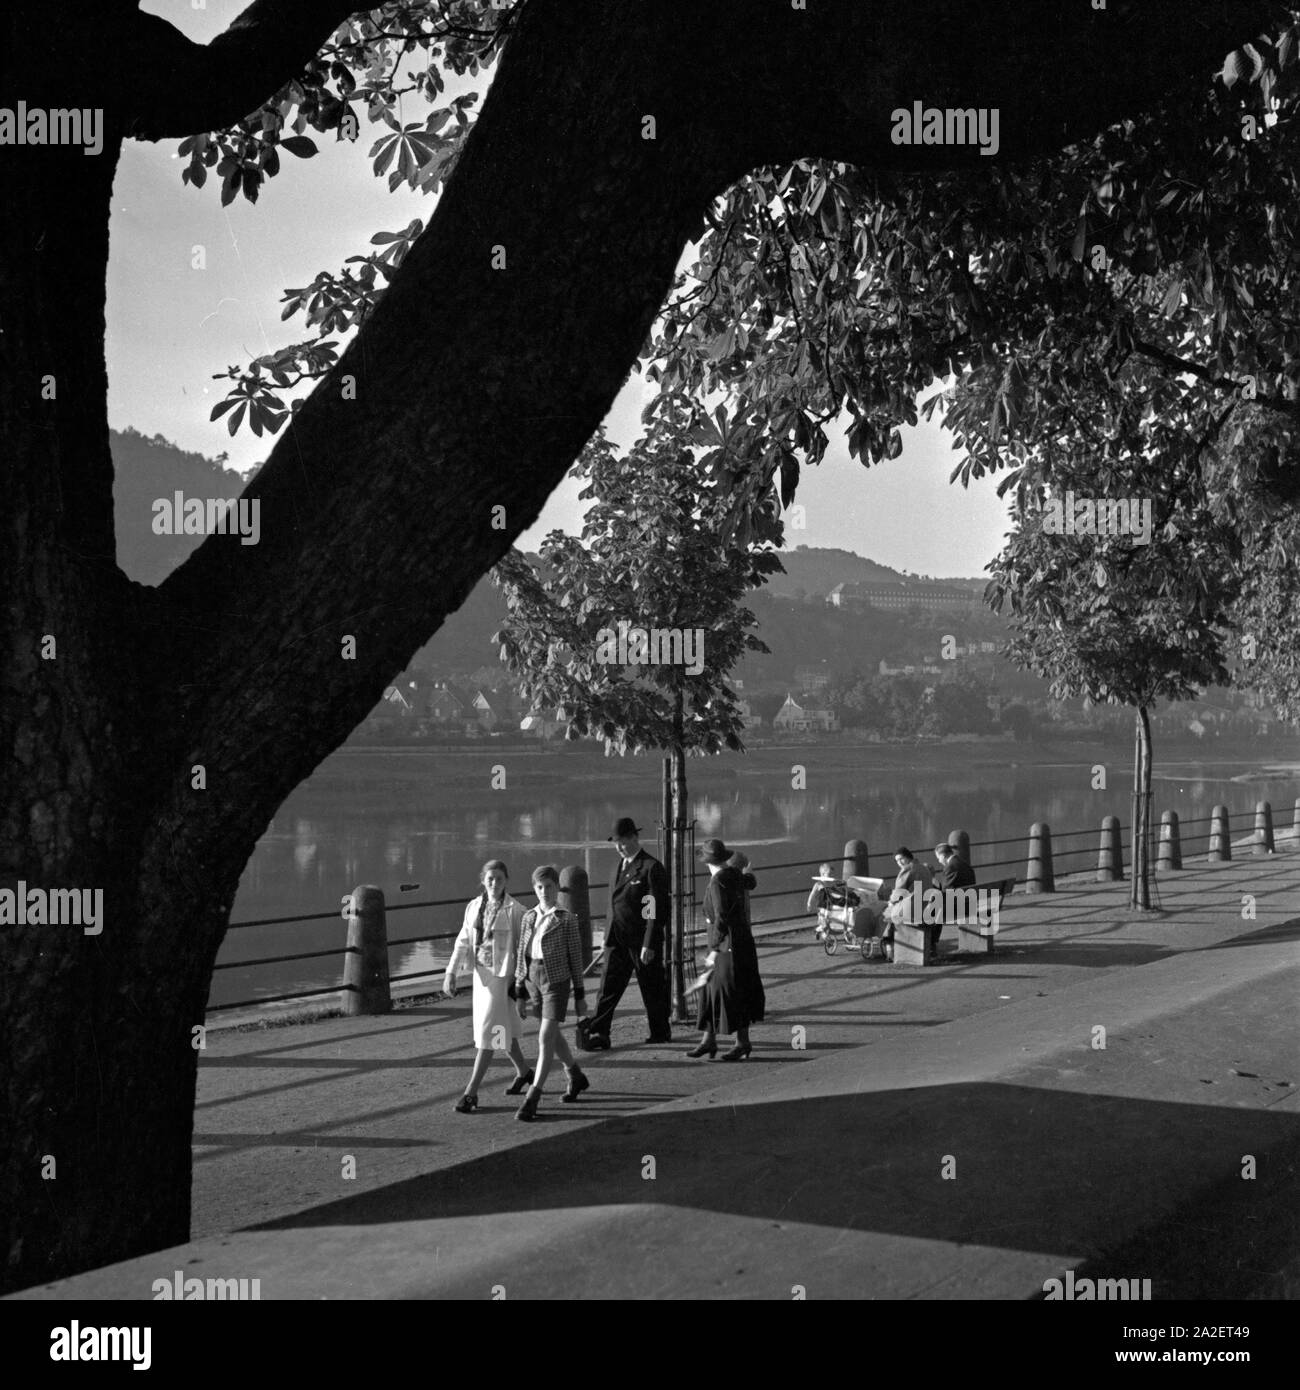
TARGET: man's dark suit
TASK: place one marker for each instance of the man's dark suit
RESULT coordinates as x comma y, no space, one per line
957,874
626,934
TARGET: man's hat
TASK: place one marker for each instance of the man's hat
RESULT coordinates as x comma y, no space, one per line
714,852
624,827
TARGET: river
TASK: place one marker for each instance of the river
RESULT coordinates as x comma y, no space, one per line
432,816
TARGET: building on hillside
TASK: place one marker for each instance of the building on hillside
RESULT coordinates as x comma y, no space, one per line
395,697
446,707
752,720
541,726
796,718
485,712
887,670
900,596
812,677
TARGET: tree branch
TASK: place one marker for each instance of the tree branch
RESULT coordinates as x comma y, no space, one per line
179,87
1220,383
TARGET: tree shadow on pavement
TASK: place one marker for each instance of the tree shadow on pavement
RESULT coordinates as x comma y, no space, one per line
1031,1169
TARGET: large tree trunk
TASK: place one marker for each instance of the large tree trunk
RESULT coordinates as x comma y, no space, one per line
475,387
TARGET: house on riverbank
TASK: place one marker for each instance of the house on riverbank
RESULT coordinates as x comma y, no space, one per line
793,717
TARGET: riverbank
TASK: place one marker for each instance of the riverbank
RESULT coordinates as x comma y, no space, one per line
470,765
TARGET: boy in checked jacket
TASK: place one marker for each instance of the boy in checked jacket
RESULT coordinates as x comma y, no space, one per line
548,965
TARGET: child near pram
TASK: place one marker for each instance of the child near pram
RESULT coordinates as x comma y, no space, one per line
836,904
828,894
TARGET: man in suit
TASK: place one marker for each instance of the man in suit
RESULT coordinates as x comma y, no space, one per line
954,872
635,930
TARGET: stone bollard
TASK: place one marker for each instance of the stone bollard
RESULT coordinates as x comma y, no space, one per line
856,859
960,841
575,897
1264,828
1220,837
1110,852
365,964
1171,844
1040,877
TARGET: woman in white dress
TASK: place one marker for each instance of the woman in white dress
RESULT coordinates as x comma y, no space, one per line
487,942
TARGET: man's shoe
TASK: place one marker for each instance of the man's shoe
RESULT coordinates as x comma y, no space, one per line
577,1084
520,1084
661,1041
595,1042
466,1105
528,1110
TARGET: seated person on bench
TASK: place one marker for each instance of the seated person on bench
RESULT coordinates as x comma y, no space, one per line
954,872
910,872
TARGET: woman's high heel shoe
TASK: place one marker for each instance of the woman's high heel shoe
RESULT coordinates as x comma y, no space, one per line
738,1053
520,1084
705,1049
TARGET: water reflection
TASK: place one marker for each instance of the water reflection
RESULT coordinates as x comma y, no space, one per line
368,818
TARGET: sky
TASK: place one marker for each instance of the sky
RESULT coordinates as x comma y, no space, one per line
171,326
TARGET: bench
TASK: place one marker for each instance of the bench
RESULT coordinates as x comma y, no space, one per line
914,942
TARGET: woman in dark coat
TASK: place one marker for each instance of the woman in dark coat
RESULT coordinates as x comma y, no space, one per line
732,989
745,945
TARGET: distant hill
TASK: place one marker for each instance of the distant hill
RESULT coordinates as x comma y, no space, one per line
800,634
817,571
144,470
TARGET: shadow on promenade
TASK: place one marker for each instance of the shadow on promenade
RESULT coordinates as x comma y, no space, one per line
1033,1170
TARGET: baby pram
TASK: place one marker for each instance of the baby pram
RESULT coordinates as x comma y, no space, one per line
850,915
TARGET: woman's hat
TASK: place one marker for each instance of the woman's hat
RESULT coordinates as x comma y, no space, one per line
714,852
624,827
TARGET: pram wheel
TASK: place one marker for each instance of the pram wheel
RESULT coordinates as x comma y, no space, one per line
830,945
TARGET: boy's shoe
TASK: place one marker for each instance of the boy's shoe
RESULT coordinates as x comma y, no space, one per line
577,1084
466,1105
520,1084
528,1110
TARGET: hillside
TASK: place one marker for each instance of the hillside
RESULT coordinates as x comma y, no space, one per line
814,572
147,469
800,633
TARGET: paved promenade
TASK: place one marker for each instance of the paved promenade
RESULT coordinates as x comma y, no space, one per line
949,1132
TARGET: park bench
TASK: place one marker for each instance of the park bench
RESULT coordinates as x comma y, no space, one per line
914,942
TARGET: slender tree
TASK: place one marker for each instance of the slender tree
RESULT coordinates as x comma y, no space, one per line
1116,620
630,631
